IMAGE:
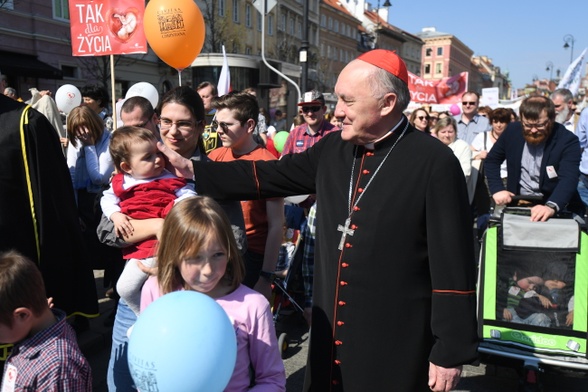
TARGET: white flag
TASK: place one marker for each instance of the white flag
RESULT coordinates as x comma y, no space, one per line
224,81
571,79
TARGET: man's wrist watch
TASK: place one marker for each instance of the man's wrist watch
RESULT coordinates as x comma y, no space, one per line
552,205
269,276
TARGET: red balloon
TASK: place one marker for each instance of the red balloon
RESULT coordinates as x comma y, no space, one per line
175,31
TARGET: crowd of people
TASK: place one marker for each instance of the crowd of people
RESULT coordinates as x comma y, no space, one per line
190,196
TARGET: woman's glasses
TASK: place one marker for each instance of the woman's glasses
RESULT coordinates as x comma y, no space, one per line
182,126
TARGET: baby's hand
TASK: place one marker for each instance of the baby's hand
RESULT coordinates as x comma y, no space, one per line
122,224
507,315
545,301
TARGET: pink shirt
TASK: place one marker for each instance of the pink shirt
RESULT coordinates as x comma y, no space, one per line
257,345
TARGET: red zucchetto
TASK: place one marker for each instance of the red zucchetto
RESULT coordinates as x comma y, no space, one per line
387,60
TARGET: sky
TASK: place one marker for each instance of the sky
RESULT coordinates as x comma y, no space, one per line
520,36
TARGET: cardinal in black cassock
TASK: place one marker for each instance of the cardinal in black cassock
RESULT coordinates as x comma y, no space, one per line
394,283
38,215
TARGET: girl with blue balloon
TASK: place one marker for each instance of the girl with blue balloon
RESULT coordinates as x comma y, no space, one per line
198,252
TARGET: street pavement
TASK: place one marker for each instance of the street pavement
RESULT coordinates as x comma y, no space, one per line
95,343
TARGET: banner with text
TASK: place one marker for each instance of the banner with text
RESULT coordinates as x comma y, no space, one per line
445,91
107,27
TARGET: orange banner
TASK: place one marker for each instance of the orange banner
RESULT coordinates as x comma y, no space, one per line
100,28
444,91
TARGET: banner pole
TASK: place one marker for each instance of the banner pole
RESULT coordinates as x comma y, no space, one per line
112,78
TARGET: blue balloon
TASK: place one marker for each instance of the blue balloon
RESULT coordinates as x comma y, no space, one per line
183,341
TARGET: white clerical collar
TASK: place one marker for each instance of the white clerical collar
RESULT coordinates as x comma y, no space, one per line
372,145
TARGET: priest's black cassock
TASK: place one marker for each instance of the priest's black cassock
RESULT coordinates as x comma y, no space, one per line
38,215
401,291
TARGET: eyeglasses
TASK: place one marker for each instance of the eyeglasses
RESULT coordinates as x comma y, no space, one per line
423,118
314,109
433,118
223,125
537,126
182,126
470,103
143,124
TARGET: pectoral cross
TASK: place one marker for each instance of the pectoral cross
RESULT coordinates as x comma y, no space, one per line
345,231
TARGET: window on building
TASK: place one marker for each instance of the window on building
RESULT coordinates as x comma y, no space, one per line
259,20
291,27
60,9
322,50
428,52
235,11
336,26
248,15
299,29
427,69
270,24
439,51
323,21
248,50
70,72
221,7
438,68
7,4
282,26
330,23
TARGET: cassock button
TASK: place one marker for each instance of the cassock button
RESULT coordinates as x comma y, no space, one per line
348,245
343,283
356,208
335,382
354,227
341,303
360,190
340,323
337,362
365,171
344,265
370,154
338,342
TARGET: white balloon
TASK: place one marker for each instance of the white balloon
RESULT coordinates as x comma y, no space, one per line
68,97
145,90
118,106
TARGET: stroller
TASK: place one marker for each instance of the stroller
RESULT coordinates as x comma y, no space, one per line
533,295
287,288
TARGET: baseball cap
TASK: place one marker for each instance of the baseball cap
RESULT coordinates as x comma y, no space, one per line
312,97
387,60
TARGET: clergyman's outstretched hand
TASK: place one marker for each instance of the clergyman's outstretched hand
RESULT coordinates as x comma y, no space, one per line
177,164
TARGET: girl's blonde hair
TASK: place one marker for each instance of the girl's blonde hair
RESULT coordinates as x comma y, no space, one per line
83,116
189,225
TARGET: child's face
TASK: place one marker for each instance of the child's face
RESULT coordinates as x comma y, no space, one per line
204,271
529,283
19,330
145,160
553,284
233,135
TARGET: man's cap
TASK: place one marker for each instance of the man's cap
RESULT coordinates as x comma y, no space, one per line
312,98
386,60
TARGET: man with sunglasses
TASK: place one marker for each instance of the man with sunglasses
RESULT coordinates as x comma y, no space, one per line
312,108
470,122
542,158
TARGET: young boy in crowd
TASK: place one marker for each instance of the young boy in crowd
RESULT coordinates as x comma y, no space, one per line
45,356
236,119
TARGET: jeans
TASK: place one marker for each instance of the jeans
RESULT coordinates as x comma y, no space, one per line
583,188
118,377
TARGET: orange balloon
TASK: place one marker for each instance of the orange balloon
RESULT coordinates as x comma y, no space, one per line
175,31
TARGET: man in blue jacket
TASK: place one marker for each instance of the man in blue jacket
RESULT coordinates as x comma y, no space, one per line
542,158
